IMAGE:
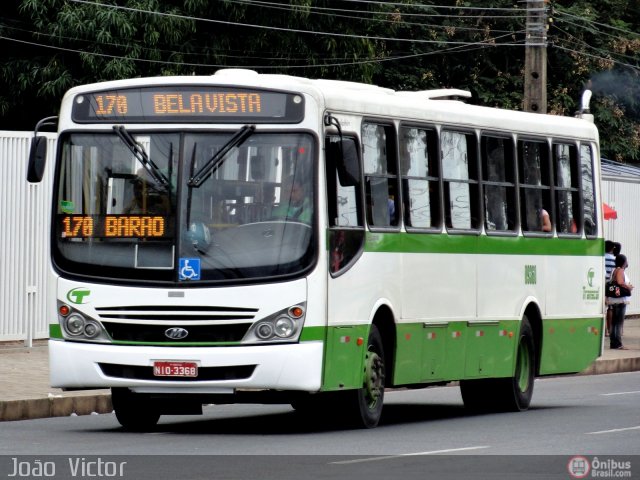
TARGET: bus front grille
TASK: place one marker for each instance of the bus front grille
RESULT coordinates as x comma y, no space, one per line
153,333
176,313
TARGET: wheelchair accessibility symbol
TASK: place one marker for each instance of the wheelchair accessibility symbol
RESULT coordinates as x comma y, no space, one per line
189,269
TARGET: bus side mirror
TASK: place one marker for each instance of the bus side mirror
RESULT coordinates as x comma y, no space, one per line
37,159
348,164
38,152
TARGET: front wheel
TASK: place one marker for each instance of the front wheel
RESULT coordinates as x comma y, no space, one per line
134,411
365,404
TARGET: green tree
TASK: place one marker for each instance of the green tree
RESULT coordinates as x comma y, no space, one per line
52,45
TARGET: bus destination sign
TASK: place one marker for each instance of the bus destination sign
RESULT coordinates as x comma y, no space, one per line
114,226
194,104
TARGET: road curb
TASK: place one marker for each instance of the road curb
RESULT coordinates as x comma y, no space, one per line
613,365
11,410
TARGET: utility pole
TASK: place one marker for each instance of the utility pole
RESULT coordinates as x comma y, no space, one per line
535,68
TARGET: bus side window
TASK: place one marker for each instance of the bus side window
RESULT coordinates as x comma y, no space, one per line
565,161
588,195
535,184
381,180
420,177
460,180
498,178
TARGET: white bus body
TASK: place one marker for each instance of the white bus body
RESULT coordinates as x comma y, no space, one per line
416,262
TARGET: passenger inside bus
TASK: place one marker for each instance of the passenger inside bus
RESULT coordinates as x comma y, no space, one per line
545,220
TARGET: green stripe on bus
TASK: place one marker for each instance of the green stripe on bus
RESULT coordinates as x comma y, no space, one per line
480,244
313,334
55,331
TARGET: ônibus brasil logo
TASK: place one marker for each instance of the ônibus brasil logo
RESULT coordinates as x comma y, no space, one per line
79,295
579,467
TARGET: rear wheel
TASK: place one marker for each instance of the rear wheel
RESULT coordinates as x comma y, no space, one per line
506,394
519,389
135,412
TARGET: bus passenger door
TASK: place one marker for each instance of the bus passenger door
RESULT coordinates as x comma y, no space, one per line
343,356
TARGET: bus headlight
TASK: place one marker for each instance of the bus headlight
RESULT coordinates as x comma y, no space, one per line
264,331
91,330
74,324
282,326
78,327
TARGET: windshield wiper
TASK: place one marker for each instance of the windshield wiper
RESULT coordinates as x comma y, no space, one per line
141,155
212,164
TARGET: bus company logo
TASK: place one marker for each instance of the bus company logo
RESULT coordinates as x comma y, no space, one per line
176,333
579,467
79,295
589,292
530,275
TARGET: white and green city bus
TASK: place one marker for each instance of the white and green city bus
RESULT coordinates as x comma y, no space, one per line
187,272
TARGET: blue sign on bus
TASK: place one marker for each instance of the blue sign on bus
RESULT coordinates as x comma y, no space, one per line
189,269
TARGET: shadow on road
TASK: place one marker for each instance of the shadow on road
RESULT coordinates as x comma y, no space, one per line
288,421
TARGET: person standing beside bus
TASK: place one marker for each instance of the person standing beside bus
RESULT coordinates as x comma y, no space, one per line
609,265
617,248
619,304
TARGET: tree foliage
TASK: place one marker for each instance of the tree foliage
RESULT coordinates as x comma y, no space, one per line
52,45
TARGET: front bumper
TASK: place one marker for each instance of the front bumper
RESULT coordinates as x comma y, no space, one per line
295,367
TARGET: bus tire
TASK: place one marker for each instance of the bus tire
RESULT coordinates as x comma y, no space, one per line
512,394
132,411
518,390
365,404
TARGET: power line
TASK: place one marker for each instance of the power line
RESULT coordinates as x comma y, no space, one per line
449,7
483,44
242,54
628,32
290,30
634,67
581,43
314,9
326,12
593,30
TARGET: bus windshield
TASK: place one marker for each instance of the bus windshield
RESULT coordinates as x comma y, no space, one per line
129,207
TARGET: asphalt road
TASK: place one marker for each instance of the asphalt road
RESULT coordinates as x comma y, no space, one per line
429,428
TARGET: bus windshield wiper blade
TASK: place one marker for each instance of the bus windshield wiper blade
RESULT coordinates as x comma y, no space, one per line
141,155
208,168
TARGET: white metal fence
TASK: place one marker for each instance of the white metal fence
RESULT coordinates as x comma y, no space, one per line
622,192
24,240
